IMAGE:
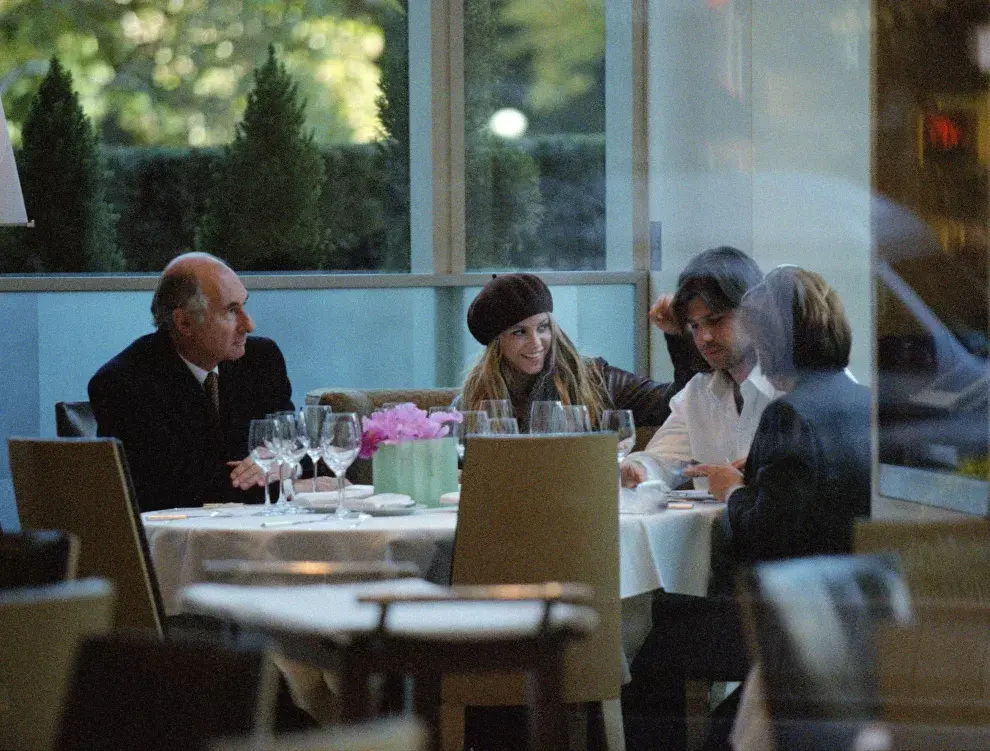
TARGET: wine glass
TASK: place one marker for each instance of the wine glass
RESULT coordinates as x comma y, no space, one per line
545,417
340,442
473,422
262,447
504,426
498,408
288,454
310,423
621,421
575,418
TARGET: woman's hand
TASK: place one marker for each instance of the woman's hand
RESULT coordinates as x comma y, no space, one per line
662,315
722,478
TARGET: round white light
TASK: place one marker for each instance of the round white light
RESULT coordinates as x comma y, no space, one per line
508,123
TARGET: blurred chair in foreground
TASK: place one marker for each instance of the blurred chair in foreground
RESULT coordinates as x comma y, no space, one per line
937,669
135,691
536,509
34,557
396,734
82,485
40,629
812,624
74,420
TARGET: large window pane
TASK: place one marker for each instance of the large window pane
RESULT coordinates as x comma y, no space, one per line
534,134
166,84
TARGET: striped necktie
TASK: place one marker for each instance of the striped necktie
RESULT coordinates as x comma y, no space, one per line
212,388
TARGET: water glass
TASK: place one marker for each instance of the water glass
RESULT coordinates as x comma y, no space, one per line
575,419
473,422
546,417
340,443
621,422
504,426
310,422
498,408
263,450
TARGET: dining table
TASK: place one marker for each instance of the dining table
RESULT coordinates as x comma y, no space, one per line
667,549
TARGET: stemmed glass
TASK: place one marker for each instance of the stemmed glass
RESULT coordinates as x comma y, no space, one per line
497,408
575,418
621,421
545,417
340,442
289,453
309,422
263,449
504,426
473,422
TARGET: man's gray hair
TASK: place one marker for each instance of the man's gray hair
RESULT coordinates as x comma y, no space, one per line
174,291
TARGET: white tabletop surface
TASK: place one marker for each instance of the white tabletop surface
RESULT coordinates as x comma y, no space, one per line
669,549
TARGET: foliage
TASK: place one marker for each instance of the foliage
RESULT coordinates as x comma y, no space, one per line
502,194
393,108
62,178
264,208
176,72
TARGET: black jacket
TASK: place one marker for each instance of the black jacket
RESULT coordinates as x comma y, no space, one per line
176,448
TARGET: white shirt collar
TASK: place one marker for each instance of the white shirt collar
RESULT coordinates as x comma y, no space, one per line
721,381
198,372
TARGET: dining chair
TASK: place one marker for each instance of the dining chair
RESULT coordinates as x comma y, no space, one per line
40,629
535,509
135,691
937,669
812,625
34,557
74,420
82,485
392,734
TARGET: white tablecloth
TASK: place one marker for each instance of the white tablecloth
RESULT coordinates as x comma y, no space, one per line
669,549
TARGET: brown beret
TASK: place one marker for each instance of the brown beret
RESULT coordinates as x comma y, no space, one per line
506,300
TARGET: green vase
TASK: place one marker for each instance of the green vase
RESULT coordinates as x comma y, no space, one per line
423,469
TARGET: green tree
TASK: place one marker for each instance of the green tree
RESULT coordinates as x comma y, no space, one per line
63,184
264,209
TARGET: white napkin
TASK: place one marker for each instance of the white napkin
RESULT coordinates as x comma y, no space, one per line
380,501
451,499
330,497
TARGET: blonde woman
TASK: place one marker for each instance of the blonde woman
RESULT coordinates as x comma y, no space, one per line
528,357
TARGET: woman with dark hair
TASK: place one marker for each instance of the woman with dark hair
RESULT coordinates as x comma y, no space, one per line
528,357
806,478
808,472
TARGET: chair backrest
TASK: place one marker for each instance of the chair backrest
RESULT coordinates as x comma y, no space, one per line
40,630
812,625
936,670
536,509
74,420
136,691
35,557
82,485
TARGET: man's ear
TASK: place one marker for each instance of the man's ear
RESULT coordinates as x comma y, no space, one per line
182,321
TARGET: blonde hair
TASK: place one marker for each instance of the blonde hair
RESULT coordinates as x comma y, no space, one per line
575,379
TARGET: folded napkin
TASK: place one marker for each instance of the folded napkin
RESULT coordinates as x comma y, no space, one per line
324,498
380,501
451,499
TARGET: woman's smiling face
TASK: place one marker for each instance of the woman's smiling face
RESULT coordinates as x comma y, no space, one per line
525,345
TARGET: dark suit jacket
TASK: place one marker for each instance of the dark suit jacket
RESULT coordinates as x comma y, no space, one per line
807,474
176,448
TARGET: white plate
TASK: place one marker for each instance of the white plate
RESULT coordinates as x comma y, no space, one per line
393,510
450,499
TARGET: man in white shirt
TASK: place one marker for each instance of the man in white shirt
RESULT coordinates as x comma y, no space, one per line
713,419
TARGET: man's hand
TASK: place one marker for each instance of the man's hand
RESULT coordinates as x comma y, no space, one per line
632,474
662,315
721,477
246,474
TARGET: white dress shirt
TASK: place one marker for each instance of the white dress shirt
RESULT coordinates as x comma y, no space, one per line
704,424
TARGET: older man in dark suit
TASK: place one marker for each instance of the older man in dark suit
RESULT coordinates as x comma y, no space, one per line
181,399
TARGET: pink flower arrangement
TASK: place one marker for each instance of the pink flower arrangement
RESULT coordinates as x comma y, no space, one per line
405,422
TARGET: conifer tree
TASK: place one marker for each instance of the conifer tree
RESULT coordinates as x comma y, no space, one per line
264,207
63,183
